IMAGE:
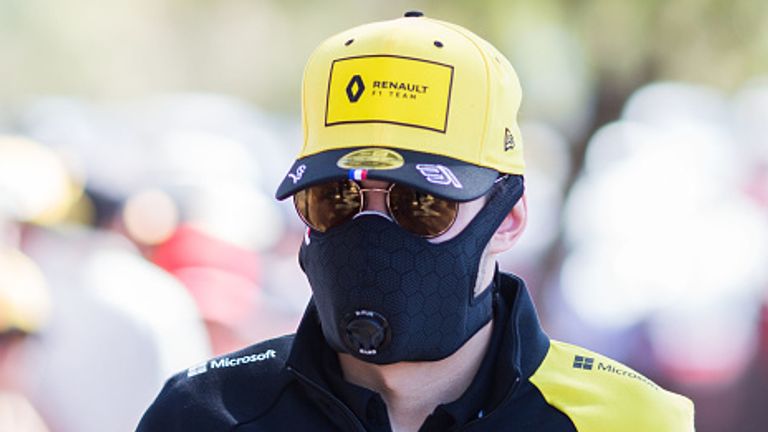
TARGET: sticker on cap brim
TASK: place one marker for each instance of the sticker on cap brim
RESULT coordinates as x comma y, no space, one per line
371,158
389,89
439,174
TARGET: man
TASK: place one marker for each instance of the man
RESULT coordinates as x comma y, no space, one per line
410,183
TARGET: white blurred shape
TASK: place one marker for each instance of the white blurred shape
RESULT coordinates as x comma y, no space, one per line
750,116
717,255
61,122
654,181
658,217
185,155
546,151
264,136
617,142
95,140
34,182
547,168
132,286
668,104
553,66
236,213
708,344
118,322
204,112
150,216
592,287
728,250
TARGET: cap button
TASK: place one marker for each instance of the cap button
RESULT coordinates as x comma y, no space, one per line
413,14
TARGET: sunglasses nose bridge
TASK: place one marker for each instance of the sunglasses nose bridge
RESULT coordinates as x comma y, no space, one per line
375,199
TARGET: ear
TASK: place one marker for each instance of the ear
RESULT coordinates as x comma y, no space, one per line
511,228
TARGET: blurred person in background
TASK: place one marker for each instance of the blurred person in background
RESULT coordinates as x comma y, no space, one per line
24,310
411,184
109,326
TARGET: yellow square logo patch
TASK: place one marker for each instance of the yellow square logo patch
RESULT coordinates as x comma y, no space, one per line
389,89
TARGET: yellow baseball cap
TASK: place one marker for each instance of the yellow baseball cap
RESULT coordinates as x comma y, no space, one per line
413,100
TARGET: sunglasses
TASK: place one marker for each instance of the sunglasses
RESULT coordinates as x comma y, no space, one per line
328,205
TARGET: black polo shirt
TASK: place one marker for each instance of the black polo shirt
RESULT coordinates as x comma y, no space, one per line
526,383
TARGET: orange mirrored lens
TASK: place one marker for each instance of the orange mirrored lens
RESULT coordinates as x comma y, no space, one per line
421,213
328,205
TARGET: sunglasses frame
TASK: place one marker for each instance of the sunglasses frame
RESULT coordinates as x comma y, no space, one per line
361,192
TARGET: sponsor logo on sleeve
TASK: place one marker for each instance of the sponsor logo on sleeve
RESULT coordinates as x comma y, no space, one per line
588,363
197,369
580,362
228,362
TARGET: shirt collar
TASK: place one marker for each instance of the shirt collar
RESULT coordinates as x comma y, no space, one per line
518,346
475,398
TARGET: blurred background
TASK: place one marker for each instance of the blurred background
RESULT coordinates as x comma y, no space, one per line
141,142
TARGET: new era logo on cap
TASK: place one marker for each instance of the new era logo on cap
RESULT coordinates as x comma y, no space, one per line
580,362
509,140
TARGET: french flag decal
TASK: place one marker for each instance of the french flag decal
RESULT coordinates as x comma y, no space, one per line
357,174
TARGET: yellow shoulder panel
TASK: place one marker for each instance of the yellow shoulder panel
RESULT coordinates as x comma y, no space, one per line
602,395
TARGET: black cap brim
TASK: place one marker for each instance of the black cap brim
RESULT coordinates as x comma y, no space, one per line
438,175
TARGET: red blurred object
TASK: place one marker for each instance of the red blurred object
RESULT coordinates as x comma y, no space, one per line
223,279
757,185
190,247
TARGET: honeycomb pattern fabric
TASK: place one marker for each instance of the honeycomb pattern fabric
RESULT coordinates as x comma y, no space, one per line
425,291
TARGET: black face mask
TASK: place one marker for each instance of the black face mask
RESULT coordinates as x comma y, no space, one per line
385,295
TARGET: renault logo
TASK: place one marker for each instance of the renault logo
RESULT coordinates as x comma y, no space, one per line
355,88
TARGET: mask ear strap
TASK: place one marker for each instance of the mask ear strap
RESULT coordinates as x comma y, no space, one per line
505,194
